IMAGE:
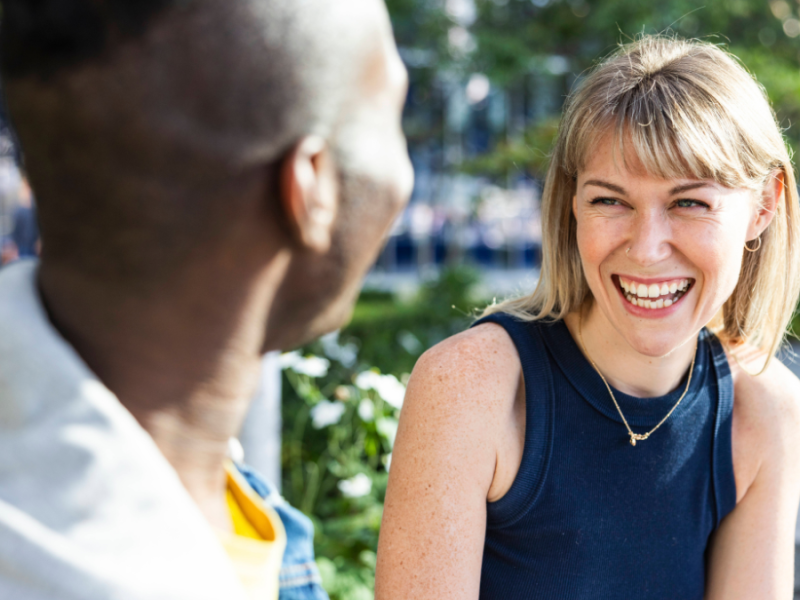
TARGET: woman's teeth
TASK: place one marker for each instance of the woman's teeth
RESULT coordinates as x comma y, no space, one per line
655,295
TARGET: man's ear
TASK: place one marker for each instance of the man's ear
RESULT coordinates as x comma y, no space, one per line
309,192
771,197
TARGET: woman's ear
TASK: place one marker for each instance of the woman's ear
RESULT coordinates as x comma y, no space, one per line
771,196
309,193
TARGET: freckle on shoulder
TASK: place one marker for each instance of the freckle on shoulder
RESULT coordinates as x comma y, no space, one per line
485,348
479,341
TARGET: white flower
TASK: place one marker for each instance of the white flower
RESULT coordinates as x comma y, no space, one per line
388,429
288,359
326,413
366,410
387,386
313,366
367,380
355,487
392,390
345,354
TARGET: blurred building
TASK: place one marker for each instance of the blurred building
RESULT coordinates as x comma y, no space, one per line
462,211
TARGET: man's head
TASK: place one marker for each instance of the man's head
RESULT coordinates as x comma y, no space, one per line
167,136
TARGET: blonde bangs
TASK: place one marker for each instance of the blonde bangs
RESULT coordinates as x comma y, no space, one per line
665,129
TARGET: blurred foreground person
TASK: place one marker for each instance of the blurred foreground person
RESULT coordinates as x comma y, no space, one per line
624,431
213,180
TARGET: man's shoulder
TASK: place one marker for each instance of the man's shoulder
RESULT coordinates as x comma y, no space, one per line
22,316
18,283
38,369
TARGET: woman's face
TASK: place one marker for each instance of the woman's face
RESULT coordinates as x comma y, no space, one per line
660,256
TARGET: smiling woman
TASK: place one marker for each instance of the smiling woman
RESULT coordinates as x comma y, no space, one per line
623,430
687,114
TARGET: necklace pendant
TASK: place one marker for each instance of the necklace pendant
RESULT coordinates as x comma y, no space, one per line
633,441
638,437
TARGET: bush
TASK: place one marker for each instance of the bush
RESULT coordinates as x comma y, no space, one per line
392,335
341,403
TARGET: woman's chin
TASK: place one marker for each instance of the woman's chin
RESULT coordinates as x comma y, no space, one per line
656,344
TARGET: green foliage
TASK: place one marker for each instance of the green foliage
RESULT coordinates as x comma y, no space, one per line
529,153
340,412
392,334
420,30
516,38
420,24
337,442
513,34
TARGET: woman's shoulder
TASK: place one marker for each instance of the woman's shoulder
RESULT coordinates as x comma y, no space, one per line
471,378
483,356
769,398
467,392
766,416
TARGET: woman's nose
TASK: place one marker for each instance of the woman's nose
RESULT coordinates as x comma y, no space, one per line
650,239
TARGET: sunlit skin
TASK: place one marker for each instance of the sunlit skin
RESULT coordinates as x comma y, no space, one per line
643,228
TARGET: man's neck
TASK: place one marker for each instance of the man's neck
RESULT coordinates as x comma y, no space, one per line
184,362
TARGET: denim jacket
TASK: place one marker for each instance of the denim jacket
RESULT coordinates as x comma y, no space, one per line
299,576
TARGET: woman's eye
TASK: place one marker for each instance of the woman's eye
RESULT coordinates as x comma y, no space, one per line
685,203
605,201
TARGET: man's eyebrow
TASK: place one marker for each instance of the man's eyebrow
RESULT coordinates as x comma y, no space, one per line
688,186
609,186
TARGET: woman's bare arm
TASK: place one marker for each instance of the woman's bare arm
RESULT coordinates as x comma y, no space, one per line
458,408
751,555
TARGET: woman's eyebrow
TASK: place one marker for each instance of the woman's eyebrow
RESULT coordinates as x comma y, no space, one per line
688,186
676,190
610,186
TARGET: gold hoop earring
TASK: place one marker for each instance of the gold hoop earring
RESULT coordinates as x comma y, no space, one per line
753,249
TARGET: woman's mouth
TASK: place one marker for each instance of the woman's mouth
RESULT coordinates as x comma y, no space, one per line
656,295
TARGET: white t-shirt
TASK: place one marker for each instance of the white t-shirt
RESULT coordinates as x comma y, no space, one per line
89,507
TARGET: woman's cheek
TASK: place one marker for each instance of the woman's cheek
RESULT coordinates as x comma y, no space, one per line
716,254
598,238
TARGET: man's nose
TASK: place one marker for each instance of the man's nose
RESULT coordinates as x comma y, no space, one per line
650,239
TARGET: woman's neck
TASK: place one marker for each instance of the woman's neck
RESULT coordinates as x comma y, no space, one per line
623,367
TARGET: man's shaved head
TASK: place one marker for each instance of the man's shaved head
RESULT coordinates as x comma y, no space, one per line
135,114
254,73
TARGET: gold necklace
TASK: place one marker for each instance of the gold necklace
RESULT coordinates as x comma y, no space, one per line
635,437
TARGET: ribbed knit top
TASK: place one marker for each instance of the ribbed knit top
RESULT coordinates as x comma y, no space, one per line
591,517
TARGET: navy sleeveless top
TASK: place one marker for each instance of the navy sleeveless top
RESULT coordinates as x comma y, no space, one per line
591,517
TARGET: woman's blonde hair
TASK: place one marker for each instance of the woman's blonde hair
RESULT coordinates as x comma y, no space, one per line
684,109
